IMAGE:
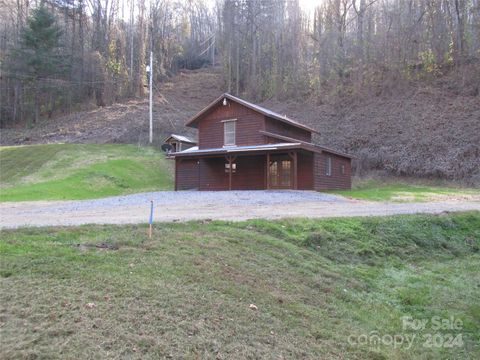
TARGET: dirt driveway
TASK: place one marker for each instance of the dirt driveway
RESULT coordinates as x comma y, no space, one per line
223,205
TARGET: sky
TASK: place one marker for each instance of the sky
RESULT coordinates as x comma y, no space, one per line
309,5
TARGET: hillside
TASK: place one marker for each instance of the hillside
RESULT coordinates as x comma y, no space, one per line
174,102
80,171
421,129
425,130
315,287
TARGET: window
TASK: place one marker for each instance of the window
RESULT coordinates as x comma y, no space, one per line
229,132
342,169
227,168
328,166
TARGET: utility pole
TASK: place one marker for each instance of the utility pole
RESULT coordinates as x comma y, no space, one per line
213,51
150,95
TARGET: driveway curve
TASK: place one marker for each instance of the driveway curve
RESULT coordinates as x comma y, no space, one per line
214,205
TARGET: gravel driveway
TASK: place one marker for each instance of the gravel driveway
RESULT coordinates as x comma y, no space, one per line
221,205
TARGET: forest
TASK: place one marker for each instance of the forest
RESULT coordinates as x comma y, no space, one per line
61,56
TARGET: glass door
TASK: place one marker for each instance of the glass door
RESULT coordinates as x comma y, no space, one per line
280,172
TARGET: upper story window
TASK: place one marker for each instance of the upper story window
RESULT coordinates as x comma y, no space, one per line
229,132
328,166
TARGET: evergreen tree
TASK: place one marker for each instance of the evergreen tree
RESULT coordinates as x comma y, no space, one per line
40,54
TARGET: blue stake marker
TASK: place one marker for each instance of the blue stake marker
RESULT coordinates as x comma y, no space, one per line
151,219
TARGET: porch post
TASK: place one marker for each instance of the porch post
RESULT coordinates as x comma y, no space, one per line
230,173
293,155
295,176
268,171
230,160
176,173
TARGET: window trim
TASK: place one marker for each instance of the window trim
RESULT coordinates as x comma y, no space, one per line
225,132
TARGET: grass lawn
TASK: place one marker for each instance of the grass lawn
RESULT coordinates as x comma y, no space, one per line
110,292
71,171
401,191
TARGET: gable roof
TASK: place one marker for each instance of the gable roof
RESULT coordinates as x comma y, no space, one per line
269,113
180,138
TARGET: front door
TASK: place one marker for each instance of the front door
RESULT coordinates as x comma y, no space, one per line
280,172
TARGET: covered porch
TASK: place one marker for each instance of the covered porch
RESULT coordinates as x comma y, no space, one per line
259,169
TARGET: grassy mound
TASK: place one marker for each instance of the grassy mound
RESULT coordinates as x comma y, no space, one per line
318,285
398,190
71,171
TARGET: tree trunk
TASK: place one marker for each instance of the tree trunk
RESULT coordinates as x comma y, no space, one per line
141,49
82,43
360,22
17,101
459,4
36,103
237,78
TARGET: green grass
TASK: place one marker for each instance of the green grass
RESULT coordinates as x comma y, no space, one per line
401,191
71,171
186,292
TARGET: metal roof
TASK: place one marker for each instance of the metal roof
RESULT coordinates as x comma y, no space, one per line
233,149
181,138
260,109
320,147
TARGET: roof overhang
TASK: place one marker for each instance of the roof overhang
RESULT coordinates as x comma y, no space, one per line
268,113
256,149
180,138
314,147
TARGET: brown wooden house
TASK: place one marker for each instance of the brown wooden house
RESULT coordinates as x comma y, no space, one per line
242,146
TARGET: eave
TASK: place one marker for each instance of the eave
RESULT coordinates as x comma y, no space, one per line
264,148
307,144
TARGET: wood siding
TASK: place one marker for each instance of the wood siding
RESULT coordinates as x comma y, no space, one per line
272,140
212,174
208,173
336,180
305,171
278,127
249,174
248,125
186,174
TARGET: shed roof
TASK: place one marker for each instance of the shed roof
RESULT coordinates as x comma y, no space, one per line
180,138
236,149
260,109
320,147
260,148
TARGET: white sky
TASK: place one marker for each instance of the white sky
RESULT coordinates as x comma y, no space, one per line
309,5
